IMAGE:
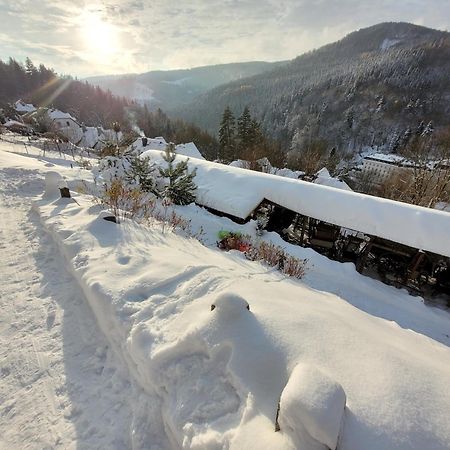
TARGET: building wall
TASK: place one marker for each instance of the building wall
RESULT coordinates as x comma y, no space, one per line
380,171
69,128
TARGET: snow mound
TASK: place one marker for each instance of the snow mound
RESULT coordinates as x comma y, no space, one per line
324,178
314,401
230,305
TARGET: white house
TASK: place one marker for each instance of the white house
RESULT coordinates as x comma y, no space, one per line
65,124
379,166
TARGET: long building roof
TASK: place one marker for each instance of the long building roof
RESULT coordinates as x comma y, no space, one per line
237,192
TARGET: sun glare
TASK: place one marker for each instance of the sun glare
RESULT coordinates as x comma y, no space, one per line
99,35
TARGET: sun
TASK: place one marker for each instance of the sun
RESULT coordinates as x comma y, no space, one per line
99,36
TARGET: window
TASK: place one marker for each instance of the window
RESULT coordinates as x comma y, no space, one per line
68,123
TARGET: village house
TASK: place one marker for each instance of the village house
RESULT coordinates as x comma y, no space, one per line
143,144
66,125
379,167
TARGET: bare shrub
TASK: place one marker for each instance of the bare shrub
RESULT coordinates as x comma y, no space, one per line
125,202
294,267
234,241
267,252
270,253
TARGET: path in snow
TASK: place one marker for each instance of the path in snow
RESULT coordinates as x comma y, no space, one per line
60,384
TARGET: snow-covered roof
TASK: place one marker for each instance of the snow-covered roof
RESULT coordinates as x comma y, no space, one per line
14,123
238,192
189,149
157,143
390,158
56,114
266,167
386,157
324,178
21,106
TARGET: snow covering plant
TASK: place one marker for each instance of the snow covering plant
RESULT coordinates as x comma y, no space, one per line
267,252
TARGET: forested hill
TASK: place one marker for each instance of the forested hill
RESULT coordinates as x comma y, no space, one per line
369,88
174,88
43,87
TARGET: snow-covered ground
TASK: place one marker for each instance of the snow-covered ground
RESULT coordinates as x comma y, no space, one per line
145,341
53,358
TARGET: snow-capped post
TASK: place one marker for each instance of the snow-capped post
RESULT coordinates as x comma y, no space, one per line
230,305
56,185
311,408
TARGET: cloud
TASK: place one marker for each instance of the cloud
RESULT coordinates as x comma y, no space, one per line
169,34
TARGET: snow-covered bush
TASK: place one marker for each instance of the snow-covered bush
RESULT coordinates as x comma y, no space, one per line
111,168
261,223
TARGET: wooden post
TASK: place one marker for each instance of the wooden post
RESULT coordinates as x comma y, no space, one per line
414,266
65,193
302,234
361,261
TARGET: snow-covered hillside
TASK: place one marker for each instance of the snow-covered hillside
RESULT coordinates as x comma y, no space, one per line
181,361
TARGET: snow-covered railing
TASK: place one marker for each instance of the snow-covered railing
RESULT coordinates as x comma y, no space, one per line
238,192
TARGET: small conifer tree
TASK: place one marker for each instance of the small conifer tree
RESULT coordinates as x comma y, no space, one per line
180,187
227,136
141,171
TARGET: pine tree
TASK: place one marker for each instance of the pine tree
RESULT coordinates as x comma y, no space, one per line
244,127
180,188
30,68
141,171
227,138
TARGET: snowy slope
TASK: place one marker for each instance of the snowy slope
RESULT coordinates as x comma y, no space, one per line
219,374
205,378
61,384
239,191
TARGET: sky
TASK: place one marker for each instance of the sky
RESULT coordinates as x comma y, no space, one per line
84,38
